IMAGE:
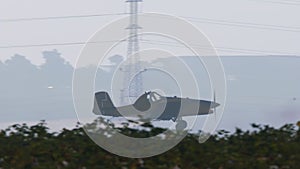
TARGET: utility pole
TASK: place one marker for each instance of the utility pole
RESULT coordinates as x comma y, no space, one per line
133,81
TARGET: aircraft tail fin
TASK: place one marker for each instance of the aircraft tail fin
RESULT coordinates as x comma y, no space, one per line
102,102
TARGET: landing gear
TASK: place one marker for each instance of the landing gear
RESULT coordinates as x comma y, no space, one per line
181,125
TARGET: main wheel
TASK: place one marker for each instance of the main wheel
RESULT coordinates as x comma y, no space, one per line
181,125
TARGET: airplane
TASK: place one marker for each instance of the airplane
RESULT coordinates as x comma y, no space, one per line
153,106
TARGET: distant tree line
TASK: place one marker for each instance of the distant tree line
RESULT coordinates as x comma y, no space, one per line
29,91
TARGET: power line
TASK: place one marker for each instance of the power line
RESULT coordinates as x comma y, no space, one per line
285,2
60,17
289,1
42,45
243,24
193,19
154,42
239,50
53,44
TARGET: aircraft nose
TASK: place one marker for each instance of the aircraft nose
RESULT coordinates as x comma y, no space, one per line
214,105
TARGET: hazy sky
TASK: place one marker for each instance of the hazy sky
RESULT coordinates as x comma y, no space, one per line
80,29
251,27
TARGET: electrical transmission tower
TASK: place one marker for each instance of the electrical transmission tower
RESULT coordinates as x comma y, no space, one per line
133,82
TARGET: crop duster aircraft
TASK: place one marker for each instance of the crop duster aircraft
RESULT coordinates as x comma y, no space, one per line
153,106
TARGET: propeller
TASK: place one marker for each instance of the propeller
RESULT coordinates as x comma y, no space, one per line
215,108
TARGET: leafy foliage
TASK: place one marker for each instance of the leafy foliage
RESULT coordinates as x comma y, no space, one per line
23,146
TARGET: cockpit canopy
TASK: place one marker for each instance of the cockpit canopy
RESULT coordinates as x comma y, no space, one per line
143,103
153,96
